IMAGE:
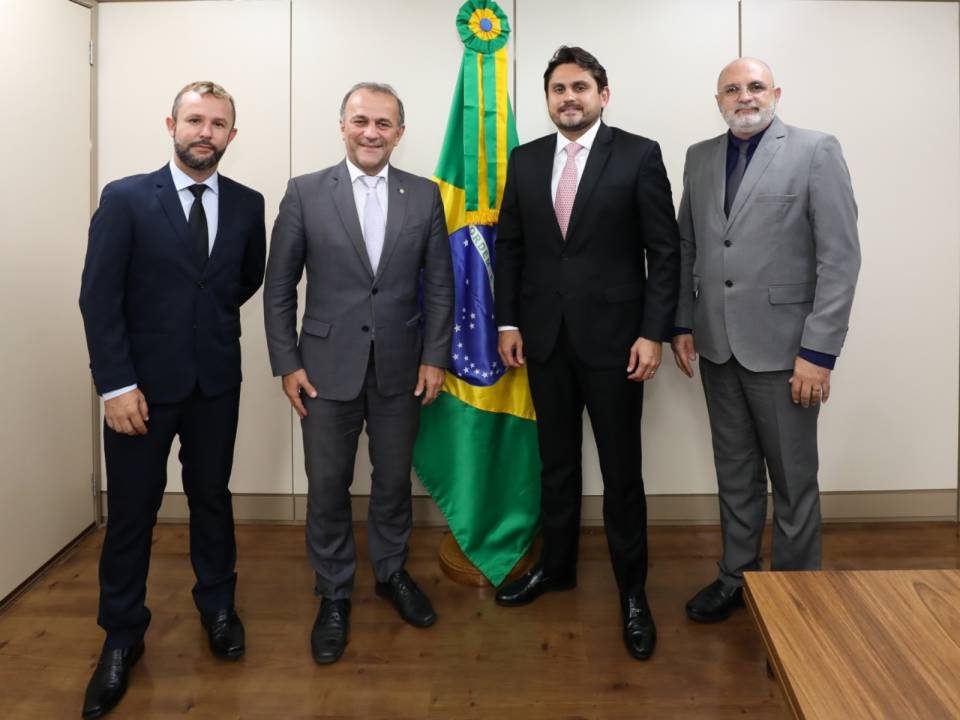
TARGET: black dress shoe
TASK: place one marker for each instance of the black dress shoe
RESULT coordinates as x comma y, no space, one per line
527,588
225,633
639,632
109,681
409,600
715,602
328,639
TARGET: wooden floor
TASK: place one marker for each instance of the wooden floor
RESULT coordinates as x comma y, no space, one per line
561,657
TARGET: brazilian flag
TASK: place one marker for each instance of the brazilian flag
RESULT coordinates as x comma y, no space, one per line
477,451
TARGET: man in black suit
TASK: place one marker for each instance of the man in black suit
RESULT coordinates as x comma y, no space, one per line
587,274
172,256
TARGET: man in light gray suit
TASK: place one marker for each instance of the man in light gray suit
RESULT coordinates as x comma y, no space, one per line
373,345
768,225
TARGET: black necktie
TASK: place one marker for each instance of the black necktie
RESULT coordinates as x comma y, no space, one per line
197,222
733,184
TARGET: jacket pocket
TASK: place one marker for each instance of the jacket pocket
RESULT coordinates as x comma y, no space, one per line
312,326
777,198
624,293
414,320
797,293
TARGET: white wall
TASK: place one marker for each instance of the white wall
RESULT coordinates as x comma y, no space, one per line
892,424
148,51
45,428
883,77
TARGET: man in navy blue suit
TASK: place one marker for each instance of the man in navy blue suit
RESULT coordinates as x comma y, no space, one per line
172,256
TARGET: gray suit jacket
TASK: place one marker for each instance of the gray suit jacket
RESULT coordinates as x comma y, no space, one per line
347,305
780,272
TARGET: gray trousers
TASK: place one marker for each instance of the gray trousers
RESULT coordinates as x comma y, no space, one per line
330,434
757,428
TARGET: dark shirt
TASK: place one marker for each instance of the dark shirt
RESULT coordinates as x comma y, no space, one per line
733,152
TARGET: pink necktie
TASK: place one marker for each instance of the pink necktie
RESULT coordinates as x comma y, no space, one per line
567,188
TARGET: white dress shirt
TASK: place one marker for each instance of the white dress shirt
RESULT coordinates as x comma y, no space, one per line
559,160
211,207
560,156
360,190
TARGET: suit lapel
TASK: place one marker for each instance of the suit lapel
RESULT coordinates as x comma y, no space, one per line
769,146
599,154
396,214
172,207
346,206
545,157
224,201
718,169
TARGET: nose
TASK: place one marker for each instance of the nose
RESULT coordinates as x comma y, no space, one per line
206,130
745,95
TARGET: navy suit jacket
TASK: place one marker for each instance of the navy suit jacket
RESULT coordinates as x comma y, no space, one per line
151,316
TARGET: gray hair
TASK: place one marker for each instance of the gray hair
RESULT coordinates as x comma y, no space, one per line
373,87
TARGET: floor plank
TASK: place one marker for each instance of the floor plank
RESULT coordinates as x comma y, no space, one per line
561,657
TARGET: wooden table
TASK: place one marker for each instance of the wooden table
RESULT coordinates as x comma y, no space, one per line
862,644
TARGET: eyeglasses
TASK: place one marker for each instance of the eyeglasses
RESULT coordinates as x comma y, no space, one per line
734,91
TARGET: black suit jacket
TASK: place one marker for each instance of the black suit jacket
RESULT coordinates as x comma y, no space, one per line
151,316
617,275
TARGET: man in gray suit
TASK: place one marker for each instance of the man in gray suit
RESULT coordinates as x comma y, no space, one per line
373,345
768,225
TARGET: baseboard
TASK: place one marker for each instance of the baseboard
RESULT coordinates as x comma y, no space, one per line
860,506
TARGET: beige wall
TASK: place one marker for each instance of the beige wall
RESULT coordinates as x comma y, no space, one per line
45,433
892,423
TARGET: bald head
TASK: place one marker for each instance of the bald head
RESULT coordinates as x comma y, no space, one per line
746,96
753,66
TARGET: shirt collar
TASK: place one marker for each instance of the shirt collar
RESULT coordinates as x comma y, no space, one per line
585,140
181,180
753,140
356,172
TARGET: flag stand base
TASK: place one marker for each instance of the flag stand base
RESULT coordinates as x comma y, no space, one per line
457,566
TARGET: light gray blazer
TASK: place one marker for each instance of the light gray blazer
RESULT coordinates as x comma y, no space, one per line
778,274
347,306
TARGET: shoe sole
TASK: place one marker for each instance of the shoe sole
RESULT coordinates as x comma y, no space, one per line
711,619
329,660
231,656
521,603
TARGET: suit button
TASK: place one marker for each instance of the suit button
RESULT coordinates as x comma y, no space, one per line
200,285
374,291
366,328
727,243
729,283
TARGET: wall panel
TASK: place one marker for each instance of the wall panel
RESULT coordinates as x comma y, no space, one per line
45,435
883,77
662,60
148,51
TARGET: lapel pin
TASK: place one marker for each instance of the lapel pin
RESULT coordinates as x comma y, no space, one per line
401,191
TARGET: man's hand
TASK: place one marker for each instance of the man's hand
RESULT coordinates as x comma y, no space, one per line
429,382
809,383
511,348
644,360
127,413
684,353
293,384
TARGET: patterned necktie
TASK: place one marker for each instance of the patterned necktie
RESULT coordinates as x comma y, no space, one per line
374,224
197,224
733,184
567,188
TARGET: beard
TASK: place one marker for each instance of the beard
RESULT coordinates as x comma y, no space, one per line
750,122
572,123
193,161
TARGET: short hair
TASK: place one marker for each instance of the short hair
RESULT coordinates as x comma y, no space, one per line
377,88
204,87
581,58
